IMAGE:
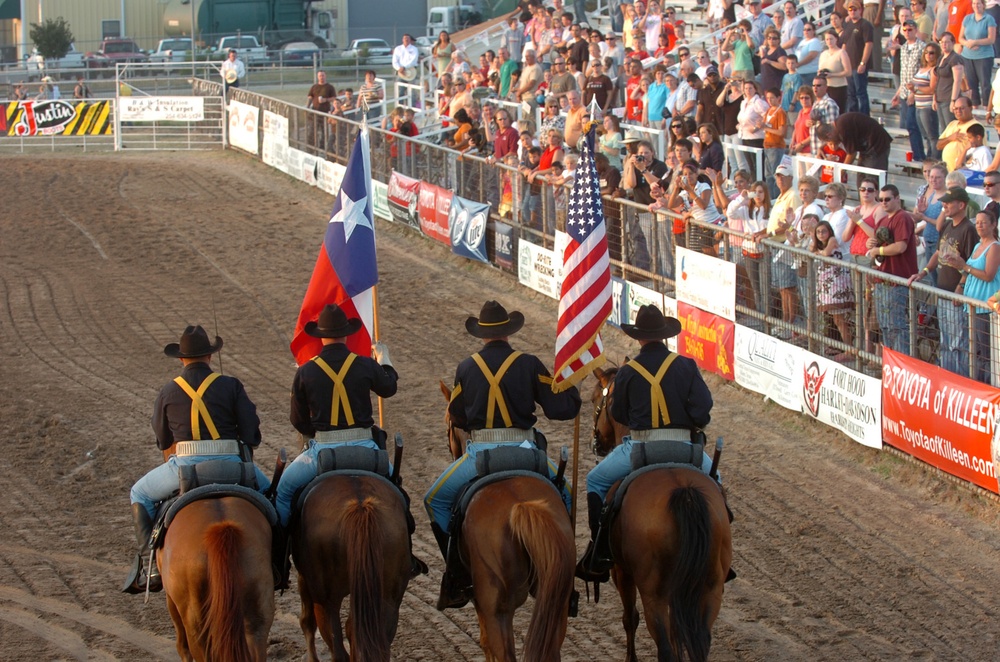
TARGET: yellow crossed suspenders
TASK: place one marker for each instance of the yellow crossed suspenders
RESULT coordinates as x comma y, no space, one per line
658,401
496,396
339,392
198,408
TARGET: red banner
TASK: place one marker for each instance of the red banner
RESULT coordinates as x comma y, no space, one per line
707,338
433,207
402,197
943,419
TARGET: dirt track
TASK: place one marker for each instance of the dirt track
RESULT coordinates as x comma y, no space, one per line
843,554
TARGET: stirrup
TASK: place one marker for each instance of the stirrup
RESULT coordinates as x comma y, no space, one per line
593,569
452,595
417,567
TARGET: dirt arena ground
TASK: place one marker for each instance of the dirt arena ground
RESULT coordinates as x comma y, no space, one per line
843,553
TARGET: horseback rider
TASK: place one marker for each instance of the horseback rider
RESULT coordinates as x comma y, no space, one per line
659,395
331,406
494,399
205,416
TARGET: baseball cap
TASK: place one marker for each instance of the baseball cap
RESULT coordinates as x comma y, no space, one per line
787,172
712,69
956,194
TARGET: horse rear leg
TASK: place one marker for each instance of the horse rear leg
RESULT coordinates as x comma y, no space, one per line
328,617
496,634
183,651
630,613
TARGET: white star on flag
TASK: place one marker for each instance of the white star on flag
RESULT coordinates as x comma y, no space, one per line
351,214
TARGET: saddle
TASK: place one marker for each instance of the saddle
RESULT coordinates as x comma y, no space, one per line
347,461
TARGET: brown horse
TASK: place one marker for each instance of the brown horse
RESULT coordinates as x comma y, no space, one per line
517,539
352,540
608,432
671,541
216,567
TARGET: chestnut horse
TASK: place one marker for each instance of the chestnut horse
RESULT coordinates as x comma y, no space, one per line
517,539
671,541
216,567
351,539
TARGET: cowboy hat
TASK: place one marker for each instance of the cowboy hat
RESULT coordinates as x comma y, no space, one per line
494,322
333,323
651,324
632,137
194,343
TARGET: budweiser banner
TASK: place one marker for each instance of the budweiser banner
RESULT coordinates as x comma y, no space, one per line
943,419
403,196
433,205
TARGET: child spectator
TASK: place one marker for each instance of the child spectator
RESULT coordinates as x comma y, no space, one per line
775,131
790,84
978,156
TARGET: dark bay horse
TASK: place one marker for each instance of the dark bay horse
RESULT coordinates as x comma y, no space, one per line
216,566
352,540
672,543
517,540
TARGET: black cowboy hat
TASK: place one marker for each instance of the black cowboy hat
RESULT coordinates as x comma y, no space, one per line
333,323
194,343
494,322
651,324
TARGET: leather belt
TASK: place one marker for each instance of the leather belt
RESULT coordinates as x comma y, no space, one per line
661,434
501,435
347,434
207,447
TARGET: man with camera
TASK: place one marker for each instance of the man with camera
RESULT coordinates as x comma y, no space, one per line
899,258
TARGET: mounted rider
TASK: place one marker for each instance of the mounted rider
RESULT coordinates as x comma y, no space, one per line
204,416
331,406
494,399
659,395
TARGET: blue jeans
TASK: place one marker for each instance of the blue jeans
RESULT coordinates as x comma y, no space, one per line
772,159
857,93
927,120
979,74
160,483
300,472
891,310
531,209
954,350
618,464
908,121
440,498
664,235
615,12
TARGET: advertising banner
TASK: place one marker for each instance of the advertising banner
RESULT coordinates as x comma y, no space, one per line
56,118
706,338
503,240
433,204
329,175
309,166
706,282
639,296
380,205
243,122
293,162
842,398
619,302
467,221
670,308
770,367
943,419
276,126
538,269
403,195
161,109
273,152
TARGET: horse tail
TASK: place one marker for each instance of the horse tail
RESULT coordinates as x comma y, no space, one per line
222,616
552,554
364,537
689,581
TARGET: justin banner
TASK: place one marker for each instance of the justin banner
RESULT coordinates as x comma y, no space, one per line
706,338
467,221
433,205
56,118
943,419
841,398
403,196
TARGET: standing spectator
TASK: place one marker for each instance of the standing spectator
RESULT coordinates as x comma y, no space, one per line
81,91
837,64
708,112
652,24
801,132
858,40
898,258
552,119
775,132
562,80
772,60
610,143
923,99
909,63
834,292
694,193
800,232
991,185
531,77
599,87
712,156
824,111
687,91
957,11
579,50
656,98
531,189
442,50
757,207
729,100
574,120
372,93
792,31
949,73
506,68
633,93
874,13
866,141
513,38
643,171
954,141
928,211
958,240
759,22
925,23
790,84
808,50
977,37
320,98
751,120
739,41
863,218
982,280
783,276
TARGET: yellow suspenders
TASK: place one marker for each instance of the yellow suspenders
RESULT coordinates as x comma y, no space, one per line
198,406
496,396
657,400
339,392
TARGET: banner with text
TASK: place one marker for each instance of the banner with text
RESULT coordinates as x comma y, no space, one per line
404,192
56,118
329,175
538,268
706,338
939,417
619,302
841,398
380,200
503,240
243,122
467,222
161,109
768,366
706,282
432,206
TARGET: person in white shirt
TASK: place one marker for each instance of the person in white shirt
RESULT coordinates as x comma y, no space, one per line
233,64
405,56
978,156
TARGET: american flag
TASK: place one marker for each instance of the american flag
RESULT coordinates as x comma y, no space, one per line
585,300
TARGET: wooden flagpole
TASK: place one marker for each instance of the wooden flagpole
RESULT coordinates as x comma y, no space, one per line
576,470
376,338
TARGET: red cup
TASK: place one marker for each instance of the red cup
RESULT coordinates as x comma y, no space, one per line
909,156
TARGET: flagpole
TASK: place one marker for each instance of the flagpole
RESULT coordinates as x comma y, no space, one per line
375,331
576,470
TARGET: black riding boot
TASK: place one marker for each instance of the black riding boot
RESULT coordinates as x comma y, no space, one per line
281,565
456,583
597,560
138,578
417,567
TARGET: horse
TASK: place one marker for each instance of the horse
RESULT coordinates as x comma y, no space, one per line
678,558
517,539
352,539
216,568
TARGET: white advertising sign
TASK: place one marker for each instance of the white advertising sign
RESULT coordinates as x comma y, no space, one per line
847,400
161,109
538,269
706,282
639,296
273,151
275,125
243,121
329,175
767,366
293,162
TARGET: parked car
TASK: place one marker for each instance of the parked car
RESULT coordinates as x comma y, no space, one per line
298,54
370,51
73,59
424,45
167,51
115,51
246,46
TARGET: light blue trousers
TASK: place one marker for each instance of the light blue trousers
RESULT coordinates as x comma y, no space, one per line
164,480
618,464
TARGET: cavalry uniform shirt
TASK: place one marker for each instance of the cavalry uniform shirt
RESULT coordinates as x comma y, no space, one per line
230,410
315,398
686,397
522,384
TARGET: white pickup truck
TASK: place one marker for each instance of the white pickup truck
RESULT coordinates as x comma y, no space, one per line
246,46
72,60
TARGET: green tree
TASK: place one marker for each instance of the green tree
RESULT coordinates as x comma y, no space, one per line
52,37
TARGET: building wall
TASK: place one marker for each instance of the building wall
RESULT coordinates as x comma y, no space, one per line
143,19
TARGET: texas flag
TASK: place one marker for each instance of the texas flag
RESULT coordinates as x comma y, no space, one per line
346,272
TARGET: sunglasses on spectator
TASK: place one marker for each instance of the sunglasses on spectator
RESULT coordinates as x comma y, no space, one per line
886,199
675,126
867,189
829,195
